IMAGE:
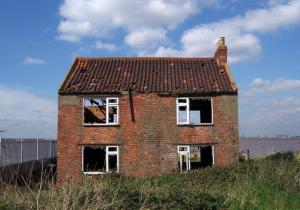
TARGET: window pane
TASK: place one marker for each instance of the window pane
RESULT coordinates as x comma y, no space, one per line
182,100
112,163
112,149
200,111
182,114
112,101
113,114
94,111
183,148
195,112
94,159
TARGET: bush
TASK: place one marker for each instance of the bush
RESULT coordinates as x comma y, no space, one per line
271,183
282,156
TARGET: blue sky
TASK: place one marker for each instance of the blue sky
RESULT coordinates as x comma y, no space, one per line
39,40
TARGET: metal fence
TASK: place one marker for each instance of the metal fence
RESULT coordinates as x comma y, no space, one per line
21,150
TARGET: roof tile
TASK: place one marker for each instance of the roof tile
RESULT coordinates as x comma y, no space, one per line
145,75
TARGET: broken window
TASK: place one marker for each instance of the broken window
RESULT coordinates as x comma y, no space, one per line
195,156
98,159
194,111
98,111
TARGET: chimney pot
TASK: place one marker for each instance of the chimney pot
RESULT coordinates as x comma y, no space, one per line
221,41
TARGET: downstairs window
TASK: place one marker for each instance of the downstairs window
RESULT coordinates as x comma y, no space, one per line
194,156
97,159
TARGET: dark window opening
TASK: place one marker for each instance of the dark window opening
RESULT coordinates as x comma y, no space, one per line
201,156
112,163
94,111
112,149
206,156
94,159
200,111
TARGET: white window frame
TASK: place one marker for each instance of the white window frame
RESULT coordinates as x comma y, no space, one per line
187,104
183,104
107,153
106,110
187,154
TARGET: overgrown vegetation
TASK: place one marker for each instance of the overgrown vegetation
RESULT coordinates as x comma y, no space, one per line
270,183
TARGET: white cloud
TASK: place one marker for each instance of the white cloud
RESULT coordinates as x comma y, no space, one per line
260,86
24,114
105,46
201,41
146,38
97,18
240,32
278,16
32,61
148,23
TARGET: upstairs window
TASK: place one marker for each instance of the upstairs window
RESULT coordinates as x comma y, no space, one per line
194,111
101,111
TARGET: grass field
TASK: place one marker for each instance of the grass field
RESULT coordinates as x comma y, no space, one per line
270,183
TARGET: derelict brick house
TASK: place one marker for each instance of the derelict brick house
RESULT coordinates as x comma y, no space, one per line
145,116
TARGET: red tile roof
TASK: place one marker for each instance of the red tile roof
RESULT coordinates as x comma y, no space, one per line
147,75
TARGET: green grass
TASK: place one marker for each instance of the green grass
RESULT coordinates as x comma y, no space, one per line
270,183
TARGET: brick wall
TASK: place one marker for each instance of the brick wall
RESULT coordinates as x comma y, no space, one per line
148,146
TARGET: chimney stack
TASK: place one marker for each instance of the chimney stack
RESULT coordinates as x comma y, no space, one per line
221,52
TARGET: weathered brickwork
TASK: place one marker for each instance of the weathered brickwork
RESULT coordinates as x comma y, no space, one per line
148,146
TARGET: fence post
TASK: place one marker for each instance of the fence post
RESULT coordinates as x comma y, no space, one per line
50,142
37,148
21,150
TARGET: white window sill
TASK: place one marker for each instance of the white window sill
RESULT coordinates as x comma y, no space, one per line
99,173
185,124
100,125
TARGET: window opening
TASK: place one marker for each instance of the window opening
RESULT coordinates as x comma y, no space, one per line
99,111
194,111
98,159
195,156
94,159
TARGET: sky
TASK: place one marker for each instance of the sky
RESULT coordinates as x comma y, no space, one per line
40,39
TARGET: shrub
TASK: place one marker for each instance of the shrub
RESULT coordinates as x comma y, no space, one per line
271,183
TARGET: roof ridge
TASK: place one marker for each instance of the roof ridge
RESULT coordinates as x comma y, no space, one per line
147,58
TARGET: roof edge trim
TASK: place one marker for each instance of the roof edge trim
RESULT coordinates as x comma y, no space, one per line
232,81
63,83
